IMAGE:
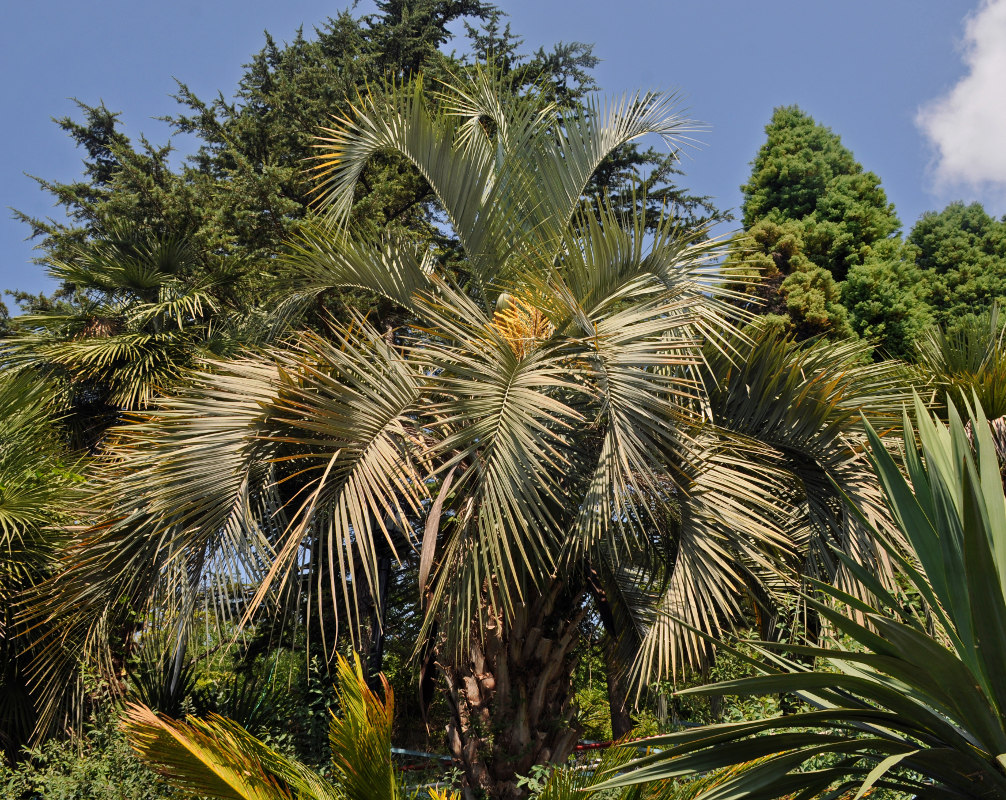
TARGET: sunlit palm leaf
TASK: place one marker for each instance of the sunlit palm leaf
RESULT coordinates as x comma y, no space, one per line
503,420
326,258
217,758
361,737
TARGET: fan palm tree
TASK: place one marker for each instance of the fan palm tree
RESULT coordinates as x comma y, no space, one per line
140,312
535,429
38,484
910,696
970,358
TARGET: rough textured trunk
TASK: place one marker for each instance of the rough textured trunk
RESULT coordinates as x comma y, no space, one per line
511,700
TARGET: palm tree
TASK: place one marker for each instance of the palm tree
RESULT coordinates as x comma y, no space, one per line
787,424
535,429
140,310
38,490
969,358
909,696
219,759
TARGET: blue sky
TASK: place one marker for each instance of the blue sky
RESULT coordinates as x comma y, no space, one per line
916,88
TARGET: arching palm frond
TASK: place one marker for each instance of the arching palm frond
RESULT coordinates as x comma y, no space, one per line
218,758
807,403
763,506
507,170
325,258
500,417
39,498
400,120
729,546
258,465
589,133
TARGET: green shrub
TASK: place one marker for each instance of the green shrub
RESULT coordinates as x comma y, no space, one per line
100,765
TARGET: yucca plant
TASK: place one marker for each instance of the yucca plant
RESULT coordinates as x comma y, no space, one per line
911,694
218,758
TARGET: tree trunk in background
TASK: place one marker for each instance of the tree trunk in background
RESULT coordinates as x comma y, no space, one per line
511,701
618,691
618,694
375,654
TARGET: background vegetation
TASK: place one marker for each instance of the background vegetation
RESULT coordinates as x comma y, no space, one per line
181,284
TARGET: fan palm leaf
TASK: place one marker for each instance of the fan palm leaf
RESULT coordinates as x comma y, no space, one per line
39,497
138,319
969,358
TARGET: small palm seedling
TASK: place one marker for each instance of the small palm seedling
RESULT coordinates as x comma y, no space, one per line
218,758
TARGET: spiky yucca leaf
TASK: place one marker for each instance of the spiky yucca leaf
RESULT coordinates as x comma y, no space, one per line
582,782
910,702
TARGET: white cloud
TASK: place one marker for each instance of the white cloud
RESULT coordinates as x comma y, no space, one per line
967,126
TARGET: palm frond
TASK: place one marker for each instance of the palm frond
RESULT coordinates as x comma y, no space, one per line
967,359
219,759
361,737
501,417
324,258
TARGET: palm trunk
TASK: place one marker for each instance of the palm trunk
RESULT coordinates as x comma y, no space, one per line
511,701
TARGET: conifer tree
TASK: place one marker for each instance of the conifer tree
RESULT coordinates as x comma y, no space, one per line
803,172
810,215
960,253
791,293
883,296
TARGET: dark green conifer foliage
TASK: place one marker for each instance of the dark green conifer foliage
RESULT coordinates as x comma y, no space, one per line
883,298
246,190
960,253
803,172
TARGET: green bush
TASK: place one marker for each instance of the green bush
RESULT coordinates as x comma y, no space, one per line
100,765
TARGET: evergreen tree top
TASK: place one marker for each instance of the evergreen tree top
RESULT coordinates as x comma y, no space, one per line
800,163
